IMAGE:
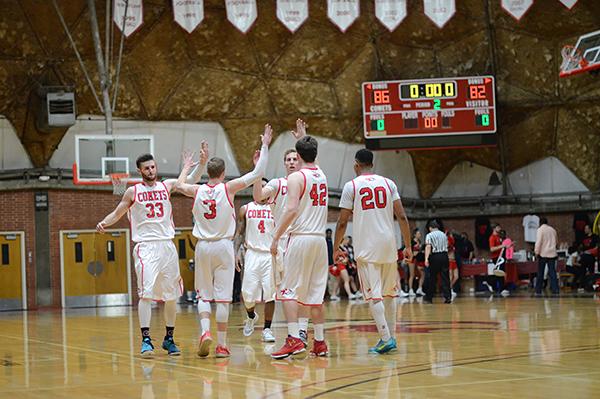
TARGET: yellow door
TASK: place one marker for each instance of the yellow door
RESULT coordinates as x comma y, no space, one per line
94,264
10,269
185,243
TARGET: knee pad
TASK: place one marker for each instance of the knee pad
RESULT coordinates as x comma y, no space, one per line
203,307
222,313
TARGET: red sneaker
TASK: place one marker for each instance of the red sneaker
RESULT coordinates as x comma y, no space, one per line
319,348
292,346
222,351
204,344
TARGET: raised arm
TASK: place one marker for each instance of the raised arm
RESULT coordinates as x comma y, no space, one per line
240,232
235,185
198,171
180,185
290,212
404,229
119,211
300,130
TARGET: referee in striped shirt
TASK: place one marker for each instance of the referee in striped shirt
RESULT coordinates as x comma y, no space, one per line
436,259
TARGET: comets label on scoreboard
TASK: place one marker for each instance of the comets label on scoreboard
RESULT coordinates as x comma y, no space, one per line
430,113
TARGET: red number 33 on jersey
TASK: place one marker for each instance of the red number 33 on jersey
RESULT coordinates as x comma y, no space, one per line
155,210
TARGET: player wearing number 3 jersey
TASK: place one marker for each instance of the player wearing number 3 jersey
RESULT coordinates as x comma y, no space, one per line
305,259
148,206
214,226
373,201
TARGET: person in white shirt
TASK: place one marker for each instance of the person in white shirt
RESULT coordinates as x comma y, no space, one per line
372,201
214,226
148,206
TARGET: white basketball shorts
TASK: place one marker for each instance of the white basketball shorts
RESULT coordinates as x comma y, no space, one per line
157,270
378,280
304,270
214,270
257,285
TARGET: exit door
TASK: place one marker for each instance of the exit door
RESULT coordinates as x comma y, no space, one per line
13,294
95,268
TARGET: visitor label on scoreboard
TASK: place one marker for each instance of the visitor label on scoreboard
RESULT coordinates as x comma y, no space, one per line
128,16
429,107
292,13
241,13
188,13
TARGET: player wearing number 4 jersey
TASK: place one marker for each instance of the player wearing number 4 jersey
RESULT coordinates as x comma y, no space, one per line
373,201
214,226
148,205
305,259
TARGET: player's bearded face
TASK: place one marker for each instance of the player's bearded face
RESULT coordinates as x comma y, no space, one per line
148,171
291,162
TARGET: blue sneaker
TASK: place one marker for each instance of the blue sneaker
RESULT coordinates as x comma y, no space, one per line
373,350
147,348
169,345
386,346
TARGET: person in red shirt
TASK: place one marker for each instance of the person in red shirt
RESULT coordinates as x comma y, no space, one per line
496,243
453,267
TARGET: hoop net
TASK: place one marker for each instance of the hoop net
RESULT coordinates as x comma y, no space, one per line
119,182
572,58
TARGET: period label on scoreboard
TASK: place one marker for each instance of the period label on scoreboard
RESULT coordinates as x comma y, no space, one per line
429,107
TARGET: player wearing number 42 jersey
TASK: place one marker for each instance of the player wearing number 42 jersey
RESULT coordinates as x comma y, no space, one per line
214,226
372,201
148,205
305,259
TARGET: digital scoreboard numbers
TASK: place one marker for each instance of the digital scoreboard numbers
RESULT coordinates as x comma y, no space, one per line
430,113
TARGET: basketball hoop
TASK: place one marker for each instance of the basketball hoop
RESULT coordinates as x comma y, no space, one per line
119,182
572,58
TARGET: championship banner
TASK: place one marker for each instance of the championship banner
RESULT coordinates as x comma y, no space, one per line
241,13
439,11
390,12
292,13
134,18
188,13
517,8
568,3
343,13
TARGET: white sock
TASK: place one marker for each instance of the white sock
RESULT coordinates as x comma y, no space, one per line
319,334
221,338
170,313
303,323
391,309
293,330
145,312
205,325
378,312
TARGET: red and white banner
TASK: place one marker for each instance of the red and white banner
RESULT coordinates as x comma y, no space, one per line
343,13
292,13
241,13
516,8
188,13
439,11
568,3
390,12
134,18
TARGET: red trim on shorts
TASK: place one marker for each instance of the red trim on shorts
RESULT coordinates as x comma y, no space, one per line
297,301
210,300
142,262
303,188
228,199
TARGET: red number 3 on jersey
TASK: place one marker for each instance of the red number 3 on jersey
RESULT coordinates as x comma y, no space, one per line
212,209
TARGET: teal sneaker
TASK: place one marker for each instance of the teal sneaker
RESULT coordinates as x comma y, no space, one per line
169,345
147,348
386,346
373,350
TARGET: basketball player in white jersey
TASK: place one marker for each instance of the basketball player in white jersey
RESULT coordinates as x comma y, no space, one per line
148,205
255,228
305,259
214,226
372,201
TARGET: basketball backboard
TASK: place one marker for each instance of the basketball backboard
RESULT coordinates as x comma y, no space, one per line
584,56
97,157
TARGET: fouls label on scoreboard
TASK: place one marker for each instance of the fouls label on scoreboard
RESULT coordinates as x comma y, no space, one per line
428,107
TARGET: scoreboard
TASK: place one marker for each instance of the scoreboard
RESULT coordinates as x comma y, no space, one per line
429,113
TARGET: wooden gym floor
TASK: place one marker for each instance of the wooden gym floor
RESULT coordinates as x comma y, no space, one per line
514,347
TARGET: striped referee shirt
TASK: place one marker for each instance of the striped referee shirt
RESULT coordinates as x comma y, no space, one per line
438,241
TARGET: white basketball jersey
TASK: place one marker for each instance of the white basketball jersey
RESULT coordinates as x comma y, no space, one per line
151,214
277,200
259,227
371,197
312,209
214,215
